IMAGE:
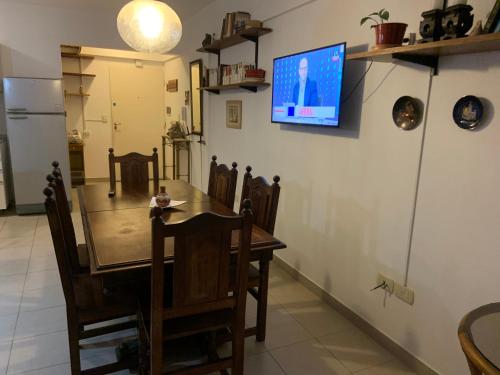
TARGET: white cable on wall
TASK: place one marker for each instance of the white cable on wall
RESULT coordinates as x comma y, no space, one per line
419,175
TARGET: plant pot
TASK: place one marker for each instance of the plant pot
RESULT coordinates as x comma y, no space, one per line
389,34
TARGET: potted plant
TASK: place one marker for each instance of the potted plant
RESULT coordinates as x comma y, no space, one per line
387,34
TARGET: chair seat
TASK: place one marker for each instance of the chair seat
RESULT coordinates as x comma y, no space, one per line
253,277
95,305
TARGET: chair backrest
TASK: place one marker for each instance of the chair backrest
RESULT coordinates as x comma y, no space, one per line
264,199
478,363
134,171
201,276
57,184
222,182
62,254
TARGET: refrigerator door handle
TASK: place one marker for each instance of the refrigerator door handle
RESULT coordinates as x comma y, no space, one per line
18,117
17,109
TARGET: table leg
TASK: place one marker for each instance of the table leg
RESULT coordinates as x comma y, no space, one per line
262,301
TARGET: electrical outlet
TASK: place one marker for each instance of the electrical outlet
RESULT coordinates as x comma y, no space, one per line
404,294
389,283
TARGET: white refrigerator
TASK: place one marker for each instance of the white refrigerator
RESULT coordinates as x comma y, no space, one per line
36,132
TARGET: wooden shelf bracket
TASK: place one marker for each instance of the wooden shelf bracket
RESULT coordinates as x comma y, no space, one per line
429,61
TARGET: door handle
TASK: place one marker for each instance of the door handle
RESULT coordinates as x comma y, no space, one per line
18,117
116,124
17,109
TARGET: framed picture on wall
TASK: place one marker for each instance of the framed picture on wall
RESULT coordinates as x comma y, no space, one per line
233,114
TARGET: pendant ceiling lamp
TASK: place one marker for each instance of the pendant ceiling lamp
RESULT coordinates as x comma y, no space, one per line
149,26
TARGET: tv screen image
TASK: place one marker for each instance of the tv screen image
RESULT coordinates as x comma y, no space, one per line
307,87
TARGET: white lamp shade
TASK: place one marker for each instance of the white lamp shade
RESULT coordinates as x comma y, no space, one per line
149,26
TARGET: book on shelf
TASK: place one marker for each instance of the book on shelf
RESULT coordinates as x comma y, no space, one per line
240,19
240,73
253,23
234,23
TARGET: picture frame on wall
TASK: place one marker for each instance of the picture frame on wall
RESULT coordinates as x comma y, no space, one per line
233,114
493,22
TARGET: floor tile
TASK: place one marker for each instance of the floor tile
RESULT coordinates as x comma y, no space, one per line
42,279
42,263
308,357
290,292
39,322
14,242
63,369
11,288
283,329
19,226
355,350
42,298
38,352
4,355
319,318
262,364
7,326
14,260
389,368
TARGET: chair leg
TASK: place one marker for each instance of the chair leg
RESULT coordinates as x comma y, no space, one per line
238,352
262,300
74,349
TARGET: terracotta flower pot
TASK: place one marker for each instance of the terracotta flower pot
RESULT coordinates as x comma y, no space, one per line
389,34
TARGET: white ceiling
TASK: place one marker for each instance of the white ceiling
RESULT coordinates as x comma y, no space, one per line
184,8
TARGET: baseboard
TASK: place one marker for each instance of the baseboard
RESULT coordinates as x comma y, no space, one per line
399,352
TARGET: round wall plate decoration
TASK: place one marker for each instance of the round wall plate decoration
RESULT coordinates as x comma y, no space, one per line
407,113
468,112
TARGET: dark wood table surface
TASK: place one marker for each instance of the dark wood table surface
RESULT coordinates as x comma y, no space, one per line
118,229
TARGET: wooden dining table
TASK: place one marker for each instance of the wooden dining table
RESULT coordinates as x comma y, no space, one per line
117,228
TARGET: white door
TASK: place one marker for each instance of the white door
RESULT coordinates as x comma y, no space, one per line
137,104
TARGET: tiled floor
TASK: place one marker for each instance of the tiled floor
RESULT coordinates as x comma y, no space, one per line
305,336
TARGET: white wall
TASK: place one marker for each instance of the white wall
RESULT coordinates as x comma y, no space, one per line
347,194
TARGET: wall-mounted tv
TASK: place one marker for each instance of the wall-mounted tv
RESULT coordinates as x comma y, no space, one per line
307,87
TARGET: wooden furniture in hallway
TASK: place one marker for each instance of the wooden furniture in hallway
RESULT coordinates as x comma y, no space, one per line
201,301
134,171
265,198
479,336
177,145
222,182
77,164
86,303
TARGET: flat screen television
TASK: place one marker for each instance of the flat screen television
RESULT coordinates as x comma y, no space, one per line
307,87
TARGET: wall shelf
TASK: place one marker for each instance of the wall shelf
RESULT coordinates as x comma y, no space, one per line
251,34
78,74
76,56
428,54
76,94
250,86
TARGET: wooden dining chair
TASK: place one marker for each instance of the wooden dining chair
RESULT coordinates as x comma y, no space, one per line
86,303
222,182
78,253
478,363
265,198
201,299
134,171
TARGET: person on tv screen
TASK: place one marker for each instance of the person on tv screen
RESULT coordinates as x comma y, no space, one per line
305,91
